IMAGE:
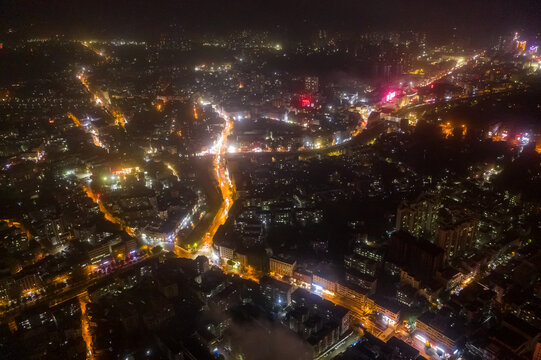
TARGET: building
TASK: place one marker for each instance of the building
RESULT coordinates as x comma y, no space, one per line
242,259
311,84
405,294
420,218
12,288
319,322
389,310
373,253
202,264
371,347
275,291
282,265
361,264
418,257
302,278
56,231
456,238
440,332
516,336
102,251
408,279
352,292
365,281
324,283
225,252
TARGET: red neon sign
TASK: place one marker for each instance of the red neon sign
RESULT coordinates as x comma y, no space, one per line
305,102
390,96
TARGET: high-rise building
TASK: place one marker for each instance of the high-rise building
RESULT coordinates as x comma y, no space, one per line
456,238
311,84
420,217
56,231
275,291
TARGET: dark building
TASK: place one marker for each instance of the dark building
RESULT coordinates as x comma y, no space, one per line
276,292
418,257
202,264
370,347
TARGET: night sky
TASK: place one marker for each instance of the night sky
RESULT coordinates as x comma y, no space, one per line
476,19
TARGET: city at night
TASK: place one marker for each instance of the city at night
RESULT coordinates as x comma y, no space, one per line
270,180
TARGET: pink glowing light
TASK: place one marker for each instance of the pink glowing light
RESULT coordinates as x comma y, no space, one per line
390,96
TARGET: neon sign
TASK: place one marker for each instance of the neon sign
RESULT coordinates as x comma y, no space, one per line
390,96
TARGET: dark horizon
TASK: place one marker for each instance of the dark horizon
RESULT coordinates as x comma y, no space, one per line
478,21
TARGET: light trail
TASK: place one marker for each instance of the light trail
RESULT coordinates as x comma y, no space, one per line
227,190
89,129
224,183
94,50
315,147
76,121
170,167
17,225
85,326
106,213
83,80
443,74
119,118
96,140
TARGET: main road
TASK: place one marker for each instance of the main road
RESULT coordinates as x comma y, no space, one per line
227,190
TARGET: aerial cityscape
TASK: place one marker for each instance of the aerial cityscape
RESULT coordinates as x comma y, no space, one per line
234,180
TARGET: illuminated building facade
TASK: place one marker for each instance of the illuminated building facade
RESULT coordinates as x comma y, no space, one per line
282,266
311,84
226,253
324,283
420,217
439,332
388,310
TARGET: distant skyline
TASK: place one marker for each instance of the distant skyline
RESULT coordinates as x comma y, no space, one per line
476,20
